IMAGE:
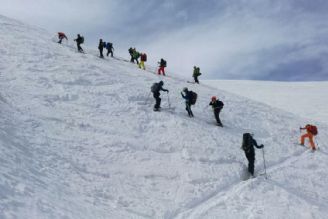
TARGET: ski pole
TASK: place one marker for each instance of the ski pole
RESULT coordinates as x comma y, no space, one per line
316,143
168,100
266,177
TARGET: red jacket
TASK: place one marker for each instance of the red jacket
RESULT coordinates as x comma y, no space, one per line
61,35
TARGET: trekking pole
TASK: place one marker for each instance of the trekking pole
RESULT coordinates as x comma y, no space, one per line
316,143
265,173
168,100
148,97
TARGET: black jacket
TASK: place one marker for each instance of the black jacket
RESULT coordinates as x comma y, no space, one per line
130,51
101,45
160,87
78,40
248,144
217,104
162,63
188,96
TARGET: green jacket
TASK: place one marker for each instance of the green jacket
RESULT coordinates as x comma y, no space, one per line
136,54
196,72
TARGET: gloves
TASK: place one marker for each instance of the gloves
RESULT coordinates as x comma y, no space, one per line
262,145
167,91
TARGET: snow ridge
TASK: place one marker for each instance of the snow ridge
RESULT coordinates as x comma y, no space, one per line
79,139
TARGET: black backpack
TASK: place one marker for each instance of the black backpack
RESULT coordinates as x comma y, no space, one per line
154,88
247,142
193,97
220,104
82,40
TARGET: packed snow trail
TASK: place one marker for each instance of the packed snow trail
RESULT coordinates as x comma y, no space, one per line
78,140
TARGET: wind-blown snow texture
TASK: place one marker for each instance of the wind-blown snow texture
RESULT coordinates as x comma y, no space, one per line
78,140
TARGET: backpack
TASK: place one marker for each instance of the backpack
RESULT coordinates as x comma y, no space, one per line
220,104
313,129
247,142
136,55
144,57
198,70
104,44
164,63
154,88
82,40
193,97
109,46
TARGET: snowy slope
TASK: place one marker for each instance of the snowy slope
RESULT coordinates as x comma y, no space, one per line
306,99
78,139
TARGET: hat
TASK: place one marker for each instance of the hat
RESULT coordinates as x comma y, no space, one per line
213,98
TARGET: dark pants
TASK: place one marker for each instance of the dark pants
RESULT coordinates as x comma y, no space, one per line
111,53
79,48
196,79
101,52
251,159
158,100
188,108
132,59
217,115
61,39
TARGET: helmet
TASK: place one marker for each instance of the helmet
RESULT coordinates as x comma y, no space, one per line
213,98
185,89
161,82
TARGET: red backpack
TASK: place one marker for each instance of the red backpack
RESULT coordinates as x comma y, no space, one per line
312,129
144,57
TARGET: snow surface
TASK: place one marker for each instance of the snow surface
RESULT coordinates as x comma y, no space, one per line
79,139
306,99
